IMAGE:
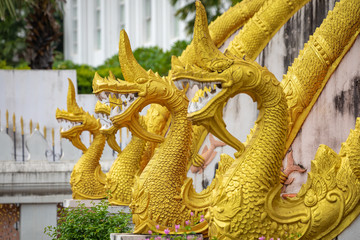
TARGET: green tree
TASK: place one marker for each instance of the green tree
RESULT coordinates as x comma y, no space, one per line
43,32
214,8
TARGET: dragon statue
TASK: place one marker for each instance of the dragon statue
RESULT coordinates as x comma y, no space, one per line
100,85
132,160
157,120
247,203
159,187
87,180
221,29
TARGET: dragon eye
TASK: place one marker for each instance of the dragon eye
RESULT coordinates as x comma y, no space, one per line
141,80
220,64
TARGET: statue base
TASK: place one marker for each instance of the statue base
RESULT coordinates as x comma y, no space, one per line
131,236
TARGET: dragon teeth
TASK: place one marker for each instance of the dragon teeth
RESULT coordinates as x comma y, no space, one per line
178,84
114,111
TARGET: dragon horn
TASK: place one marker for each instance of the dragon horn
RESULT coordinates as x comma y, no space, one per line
71,101
131,69
205,50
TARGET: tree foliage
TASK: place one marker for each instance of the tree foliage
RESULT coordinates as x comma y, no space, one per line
41,35
213,8
149,58
12,40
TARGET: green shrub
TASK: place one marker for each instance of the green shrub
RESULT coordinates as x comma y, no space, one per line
149,58
88,223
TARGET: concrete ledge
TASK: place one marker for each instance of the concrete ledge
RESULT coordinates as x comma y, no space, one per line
131,236
34,199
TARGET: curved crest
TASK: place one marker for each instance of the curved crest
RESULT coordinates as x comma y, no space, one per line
131,69
205,53
71,100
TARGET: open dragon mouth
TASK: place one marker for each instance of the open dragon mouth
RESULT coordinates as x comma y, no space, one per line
66,125
120,105
206,92
102,110
104,121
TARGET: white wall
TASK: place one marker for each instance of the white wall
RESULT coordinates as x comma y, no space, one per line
34,95
34,218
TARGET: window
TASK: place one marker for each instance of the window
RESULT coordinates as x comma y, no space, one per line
97,25
74,26
147,17
121,15
175,21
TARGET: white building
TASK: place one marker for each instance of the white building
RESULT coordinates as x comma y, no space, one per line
92,27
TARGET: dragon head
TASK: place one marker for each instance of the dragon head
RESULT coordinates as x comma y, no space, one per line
75,120
139,89
217,76
102,108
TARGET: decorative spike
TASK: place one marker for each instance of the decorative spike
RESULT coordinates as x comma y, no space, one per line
22,125
7,118
31,126
14,124
71,101
37,127
175,63
45,132
53,136
131,69
111,75
206,53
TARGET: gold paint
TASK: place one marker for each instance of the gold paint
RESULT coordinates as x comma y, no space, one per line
221,29
31,126
321,55
7,119
22,125
53,136
37,126
244,199
227,24
150,189
260,29
87,180
14,123
247,202
45,132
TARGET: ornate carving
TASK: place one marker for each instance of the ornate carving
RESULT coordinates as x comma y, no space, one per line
258,31
87,180
321,55
247,202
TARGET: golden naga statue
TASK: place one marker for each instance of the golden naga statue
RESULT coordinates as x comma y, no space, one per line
132,160
158,193
247,202
119,180
87,180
